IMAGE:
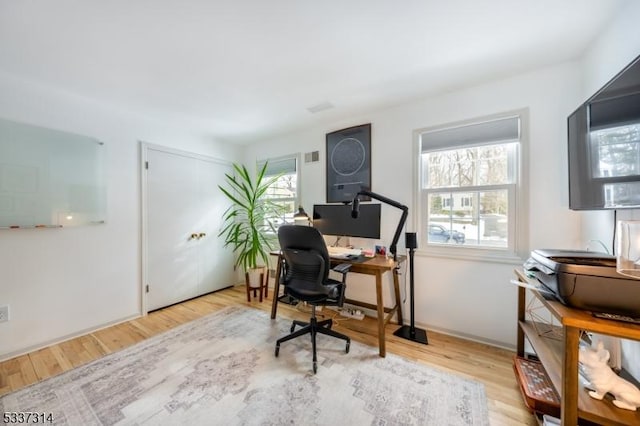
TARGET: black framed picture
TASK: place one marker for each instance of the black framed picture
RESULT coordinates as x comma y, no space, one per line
348,163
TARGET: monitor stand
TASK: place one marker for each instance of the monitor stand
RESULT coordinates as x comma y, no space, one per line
338,238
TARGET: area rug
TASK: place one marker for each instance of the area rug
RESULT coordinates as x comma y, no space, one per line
221,370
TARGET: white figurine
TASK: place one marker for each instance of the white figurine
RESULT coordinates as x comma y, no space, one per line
604,380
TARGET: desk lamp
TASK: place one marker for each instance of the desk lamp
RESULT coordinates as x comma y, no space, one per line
301,218
409,332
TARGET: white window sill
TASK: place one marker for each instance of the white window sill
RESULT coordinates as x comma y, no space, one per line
471,254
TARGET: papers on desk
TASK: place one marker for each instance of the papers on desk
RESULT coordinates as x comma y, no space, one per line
339,256
343,252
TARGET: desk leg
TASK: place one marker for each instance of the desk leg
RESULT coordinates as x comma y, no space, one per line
380,303
396,289
276,288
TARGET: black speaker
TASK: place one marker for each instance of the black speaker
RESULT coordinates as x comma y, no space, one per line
411,240
410,332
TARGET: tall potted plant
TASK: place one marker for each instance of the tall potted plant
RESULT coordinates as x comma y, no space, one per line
248,222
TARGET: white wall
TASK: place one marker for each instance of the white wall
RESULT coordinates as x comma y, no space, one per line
611,52
467,298
61,282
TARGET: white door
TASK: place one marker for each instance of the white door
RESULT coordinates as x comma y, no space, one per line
215,261
184,208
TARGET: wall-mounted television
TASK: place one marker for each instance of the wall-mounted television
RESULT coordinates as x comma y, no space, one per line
335,219
604,146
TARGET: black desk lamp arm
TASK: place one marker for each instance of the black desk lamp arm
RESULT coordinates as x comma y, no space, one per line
403,218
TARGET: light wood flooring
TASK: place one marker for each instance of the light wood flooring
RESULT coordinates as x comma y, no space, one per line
487,364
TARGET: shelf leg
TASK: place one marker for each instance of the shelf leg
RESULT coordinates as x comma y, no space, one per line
522,300
569,394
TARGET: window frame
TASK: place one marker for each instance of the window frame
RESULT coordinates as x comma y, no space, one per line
296,200
518,221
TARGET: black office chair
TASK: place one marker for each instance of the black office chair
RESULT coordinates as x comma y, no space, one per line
306,277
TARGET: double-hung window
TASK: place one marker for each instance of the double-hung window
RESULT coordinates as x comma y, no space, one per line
471,187
284,191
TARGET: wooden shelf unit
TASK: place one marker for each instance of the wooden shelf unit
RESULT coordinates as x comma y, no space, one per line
560,358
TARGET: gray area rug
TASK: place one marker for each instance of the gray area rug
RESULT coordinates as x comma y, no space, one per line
221,370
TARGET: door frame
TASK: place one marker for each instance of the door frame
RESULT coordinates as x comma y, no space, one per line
145,147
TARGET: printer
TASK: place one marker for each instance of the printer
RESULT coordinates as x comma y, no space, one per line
586,280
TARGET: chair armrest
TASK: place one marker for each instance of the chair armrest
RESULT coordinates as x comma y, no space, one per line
342,268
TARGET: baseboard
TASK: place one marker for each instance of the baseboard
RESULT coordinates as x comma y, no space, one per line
45,344
465,336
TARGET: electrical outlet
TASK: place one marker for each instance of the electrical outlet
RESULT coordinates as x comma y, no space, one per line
4,313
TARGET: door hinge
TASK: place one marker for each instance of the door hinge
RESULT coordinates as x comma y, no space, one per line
147,288
146,165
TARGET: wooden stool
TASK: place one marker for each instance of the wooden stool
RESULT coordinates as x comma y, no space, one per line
262,288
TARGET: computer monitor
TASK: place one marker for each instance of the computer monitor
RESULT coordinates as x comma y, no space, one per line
335,219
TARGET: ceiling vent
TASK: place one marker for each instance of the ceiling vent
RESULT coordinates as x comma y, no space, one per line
320,107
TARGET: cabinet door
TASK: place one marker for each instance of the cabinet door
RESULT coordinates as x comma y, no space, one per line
172,215
184,211
215,262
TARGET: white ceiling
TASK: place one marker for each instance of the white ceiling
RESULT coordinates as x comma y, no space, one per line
247,69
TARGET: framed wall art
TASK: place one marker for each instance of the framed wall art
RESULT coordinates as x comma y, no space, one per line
348,163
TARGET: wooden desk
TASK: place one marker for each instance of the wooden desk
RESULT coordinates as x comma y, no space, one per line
375,266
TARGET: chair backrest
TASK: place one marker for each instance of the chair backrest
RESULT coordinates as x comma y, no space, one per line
304,238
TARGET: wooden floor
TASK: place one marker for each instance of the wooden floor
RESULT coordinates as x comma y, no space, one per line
487,364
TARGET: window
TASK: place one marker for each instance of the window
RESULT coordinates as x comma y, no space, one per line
471,187
284,191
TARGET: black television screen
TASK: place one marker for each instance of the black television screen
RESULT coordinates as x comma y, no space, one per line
604,146
335,219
